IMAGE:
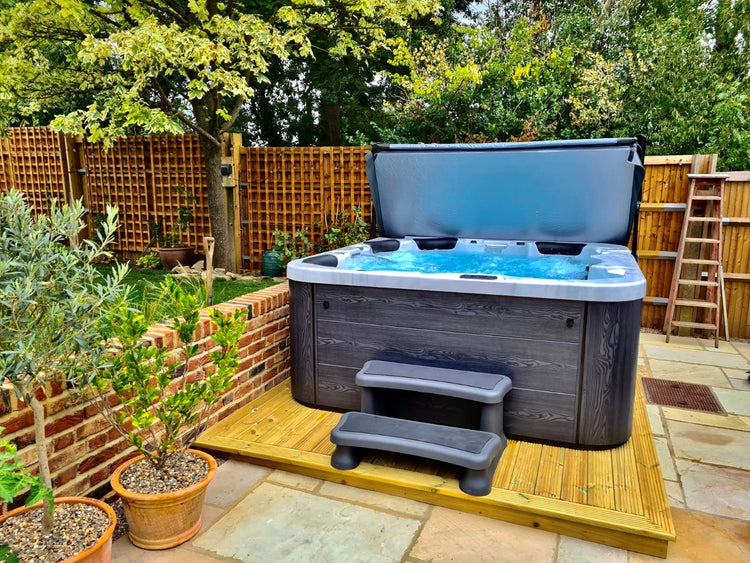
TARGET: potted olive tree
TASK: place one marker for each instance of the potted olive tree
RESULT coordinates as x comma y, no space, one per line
52,302
161,410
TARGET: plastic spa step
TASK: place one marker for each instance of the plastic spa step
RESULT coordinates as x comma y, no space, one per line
475,386
476,451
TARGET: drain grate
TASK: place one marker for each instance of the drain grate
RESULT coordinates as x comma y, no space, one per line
680,394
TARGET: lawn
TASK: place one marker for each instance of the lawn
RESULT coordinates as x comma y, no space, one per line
145,295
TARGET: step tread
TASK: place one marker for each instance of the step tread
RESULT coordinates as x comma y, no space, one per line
473,449
700,261
705,219
688,324
474,386
699,282
696,303
708,240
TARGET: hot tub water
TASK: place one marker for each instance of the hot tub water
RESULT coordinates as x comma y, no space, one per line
457,262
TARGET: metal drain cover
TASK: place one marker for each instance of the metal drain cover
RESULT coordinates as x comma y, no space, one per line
680,394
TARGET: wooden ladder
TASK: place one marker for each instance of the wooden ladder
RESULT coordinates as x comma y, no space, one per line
703,213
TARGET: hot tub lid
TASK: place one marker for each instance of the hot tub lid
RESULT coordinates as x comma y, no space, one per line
571,191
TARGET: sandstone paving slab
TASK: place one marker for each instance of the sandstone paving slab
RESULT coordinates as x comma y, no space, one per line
743,348
734,401
729,421
738,378
675,341
279,524
718,446
702,357
716,490
573,550
689,373
233,480
374,499
455,536
125,552
724,346
665,459
294,480
654,419
704,538
674,494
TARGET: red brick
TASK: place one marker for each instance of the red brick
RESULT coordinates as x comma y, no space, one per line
65,476
67,457
97,441
99,476
91,427
63,423
23,440
96,460
20,420
63,442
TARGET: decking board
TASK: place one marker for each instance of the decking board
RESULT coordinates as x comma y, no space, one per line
615,497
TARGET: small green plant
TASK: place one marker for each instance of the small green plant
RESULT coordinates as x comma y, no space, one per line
342,229
292,246
153,419
149,261
15,477
172,238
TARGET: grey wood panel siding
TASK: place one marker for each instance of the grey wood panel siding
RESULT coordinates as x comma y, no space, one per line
302,323
609,373
544,365
544,416
516,317
336,387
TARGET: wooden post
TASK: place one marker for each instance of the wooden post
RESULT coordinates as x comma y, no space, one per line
208,247
70,148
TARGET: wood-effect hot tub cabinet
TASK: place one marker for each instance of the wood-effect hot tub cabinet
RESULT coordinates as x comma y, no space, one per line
572,363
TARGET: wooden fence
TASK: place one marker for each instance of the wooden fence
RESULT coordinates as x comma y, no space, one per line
290,189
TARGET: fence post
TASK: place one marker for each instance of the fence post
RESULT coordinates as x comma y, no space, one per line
70,153
231,144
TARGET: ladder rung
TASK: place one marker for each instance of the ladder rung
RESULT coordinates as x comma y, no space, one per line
708,240
700,261
705,219
686,324
695,303
707,197
699,282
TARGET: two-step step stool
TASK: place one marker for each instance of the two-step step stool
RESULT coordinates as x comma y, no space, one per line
478,451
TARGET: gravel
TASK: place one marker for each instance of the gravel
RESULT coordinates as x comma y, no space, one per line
181,469
77,528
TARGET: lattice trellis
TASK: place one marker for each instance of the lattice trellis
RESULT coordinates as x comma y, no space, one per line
149,178
293,188
34,166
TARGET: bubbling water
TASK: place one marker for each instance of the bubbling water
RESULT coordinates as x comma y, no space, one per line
454,262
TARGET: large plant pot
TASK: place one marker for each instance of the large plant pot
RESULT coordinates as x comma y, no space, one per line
101,551
163,520
181,255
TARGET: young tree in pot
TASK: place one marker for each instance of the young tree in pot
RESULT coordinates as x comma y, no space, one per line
169,242
52,301
162,412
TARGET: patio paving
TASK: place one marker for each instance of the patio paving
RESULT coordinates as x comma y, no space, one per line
257,514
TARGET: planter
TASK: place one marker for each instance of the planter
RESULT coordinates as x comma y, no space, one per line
163,520
101,552
272,264
181,255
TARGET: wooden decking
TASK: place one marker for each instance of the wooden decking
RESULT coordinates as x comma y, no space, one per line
615,497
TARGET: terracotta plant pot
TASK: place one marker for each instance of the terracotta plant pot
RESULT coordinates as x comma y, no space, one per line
163,520
101,551
181,255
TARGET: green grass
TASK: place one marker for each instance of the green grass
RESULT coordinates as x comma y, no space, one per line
145,294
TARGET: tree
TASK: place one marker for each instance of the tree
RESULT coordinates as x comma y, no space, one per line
52,304
168,66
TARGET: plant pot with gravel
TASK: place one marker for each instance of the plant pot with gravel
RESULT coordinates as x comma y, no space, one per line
52,304
162,412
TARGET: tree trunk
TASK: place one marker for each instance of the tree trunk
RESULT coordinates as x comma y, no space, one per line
40,441
330,121
224,256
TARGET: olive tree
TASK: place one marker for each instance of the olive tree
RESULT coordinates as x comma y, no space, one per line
52,302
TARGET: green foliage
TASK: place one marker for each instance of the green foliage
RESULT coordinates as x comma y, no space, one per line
343,229
7,556
157,416
14,477
172,237
292,246
149,261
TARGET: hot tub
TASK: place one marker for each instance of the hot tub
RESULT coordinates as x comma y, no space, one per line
569,345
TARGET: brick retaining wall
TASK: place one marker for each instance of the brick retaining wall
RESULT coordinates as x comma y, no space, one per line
84,449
